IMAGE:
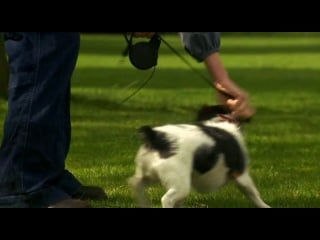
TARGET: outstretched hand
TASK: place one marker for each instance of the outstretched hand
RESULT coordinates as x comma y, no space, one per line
240,104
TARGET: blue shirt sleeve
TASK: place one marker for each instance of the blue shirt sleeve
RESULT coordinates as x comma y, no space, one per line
200,44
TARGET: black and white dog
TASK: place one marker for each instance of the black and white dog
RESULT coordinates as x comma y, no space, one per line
203,156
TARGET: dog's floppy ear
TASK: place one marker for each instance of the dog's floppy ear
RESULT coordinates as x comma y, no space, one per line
207,112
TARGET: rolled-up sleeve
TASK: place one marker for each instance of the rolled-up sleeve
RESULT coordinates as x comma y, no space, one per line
200,44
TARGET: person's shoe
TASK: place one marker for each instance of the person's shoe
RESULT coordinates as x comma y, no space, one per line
91,192
70,203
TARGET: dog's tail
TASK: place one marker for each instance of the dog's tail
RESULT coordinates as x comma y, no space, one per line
156,140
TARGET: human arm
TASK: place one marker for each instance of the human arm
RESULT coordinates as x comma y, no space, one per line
240,106
204,47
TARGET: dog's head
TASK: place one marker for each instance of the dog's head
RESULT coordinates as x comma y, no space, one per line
217,113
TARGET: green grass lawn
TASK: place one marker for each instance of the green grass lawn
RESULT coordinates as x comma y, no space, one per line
281,72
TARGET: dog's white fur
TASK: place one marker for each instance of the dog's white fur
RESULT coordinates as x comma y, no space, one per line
176,171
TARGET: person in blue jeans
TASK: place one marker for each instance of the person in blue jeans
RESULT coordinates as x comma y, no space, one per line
4,71
37,130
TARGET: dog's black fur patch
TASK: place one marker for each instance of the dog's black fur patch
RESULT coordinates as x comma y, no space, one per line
158,141
205,158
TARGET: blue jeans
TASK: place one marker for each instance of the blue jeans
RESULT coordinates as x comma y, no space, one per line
37,128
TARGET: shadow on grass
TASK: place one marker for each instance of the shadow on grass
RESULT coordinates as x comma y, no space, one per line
292,49
126,201
262,79
115,44
115,105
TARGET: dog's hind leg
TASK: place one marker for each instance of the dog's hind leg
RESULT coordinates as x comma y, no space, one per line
138,186
178,187
174,197
246,184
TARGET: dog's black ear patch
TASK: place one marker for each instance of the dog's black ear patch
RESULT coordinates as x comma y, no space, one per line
207,112
157,141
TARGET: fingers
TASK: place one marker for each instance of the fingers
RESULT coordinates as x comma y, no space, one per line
224,92
241,108
237,101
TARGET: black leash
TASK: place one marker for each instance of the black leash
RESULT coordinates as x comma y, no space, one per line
142,55
126,52
139,88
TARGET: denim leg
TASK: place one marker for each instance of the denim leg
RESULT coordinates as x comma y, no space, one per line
37,129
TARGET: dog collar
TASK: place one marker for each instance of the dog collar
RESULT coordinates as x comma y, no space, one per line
228,118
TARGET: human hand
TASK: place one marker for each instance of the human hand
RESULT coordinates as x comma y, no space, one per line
240,105
144,34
